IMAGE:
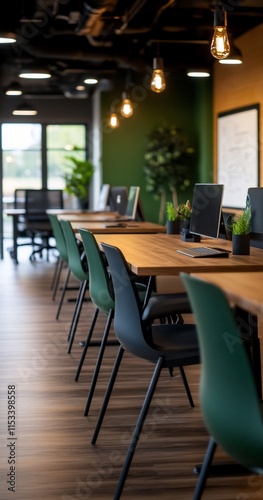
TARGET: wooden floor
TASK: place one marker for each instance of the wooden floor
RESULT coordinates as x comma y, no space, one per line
53,456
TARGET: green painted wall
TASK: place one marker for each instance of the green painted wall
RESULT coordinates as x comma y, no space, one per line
187,103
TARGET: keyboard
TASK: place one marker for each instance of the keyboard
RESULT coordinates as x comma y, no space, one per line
205,252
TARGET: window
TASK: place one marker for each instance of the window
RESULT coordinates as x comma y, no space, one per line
61,141
21,150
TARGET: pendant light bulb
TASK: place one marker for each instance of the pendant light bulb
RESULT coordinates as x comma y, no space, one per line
126,106
158,81
114,120
220,47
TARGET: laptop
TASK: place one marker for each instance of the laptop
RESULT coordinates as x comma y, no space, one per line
131,209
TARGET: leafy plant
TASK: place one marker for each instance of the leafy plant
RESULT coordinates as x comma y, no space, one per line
78,176
184,211
167,161
171,212
240,224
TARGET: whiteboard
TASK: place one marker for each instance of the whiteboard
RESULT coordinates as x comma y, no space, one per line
238,154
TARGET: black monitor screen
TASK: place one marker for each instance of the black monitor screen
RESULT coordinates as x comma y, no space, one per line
256,201
206,210
118,199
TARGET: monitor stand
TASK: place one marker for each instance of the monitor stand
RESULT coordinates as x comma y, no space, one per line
190,237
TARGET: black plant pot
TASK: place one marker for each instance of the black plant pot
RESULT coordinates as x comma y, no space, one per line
172,227
241,244
83,204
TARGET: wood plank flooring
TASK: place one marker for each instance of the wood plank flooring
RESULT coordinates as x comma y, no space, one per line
51,448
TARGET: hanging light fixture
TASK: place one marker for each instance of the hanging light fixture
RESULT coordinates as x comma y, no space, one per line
126,105
7,38
13,89
158,83
34,74
114,121
235,56
198,73
220,47
24,109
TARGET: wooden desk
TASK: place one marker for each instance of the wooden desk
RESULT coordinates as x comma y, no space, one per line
111,227
155,254
242,289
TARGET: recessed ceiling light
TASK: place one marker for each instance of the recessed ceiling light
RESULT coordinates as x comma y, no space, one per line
91,81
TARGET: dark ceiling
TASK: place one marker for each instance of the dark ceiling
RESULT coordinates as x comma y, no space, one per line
75,39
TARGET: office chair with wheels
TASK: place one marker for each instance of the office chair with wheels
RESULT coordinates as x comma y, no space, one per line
78,266
164,345
37,201
228,395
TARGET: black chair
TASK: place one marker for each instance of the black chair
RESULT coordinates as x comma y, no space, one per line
37,201
164,345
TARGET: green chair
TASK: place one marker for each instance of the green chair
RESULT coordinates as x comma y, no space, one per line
63,257
160,306
78,266
228,394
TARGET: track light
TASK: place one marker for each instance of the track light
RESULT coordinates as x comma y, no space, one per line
126,106
158,81
220,47
24,109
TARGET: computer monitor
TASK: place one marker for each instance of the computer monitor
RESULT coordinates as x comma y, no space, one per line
132,204
256,200
118,199
206,210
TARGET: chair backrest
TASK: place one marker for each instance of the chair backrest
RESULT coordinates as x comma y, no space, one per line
20,198
59,237
37,201
228,395
76,264
129,328
100,284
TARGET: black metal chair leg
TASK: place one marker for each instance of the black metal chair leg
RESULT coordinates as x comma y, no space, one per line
108,394
63,293
138,428
86,345
188,392
205,469
57,280
99,361
76,316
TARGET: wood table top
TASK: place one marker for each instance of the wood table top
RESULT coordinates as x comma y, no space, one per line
243,289
155,254
110,227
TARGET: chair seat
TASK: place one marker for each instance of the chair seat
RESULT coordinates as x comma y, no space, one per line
175,345
167,303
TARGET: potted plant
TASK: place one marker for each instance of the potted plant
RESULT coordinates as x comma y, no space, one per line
167,167
240,228
184,211
172,222
78,177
